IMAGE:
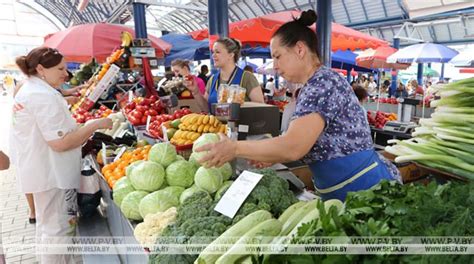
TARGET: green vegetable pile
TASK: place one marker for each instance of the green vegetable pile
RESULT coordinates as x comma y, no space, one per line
391,209
445,141
197,222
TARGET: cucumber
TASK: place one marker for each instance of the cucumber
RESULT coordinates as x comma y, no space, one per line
262,231
231,235
290,211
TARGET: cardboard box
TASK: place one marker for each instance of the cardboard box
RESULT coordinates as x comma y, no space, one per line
409,171
190,103
305,175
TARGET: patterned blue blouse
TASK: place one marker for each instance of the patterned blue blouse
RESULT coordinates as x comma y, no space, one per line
346,130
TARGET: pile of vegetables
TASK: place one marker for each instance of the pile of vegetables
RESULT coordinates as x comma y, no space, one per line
197,222
392,209
445,141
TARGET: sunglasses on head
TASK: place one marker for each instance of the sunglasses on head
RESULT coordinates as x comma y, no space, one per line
49,52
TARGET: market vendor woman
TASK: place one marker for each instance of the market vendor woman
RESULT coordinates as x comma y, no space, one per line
328,129
225,53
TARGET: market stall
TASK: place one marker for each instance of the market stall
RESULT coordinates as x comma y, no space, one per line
157,195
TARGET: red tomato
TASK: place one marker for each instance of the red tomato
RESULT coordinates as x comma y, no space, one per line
137,114
134,121
143,120
153,98
152,112
140,108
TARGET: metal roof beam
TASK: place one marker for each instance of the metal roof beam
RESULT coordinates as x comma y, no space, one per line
384,8
449,42
386,21
345,10
177,6
433,34
363,9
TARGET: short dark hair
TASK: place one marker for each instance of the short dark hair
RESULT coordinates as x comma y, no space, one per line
232,46
298,30
361,93
47,57
204,68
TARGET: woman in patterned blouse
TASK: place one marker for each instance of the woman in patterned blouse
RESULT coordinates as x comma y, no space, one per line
329,130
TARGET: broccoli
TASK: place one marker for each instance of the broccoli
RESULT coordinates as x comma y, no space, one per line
215,224
197,205
172,259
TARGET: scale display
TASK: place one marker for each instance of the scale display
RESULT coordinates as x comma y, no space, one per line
395,126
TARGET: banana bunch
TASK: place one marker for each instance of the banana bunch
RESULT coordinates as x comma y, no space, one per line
201,124
182,138
126,38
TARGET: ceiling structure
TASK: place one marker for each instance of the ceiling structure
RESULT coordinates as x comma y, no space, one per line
440,21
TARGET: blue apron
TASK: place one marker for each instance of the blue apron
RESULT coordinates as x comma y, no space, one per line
357,171
235,78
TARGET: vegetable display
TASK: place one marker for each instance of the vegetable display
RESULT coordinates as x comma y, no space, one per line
445,141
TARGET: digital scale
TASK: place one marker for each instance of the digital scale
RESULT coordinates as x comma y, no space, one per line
396,126
248,119
230,113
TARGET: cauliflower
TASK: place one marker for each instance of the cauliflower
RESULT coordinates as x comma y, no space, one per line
153,225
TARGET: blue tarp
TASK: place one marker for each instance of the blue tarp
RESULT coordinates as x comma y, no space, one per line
185,47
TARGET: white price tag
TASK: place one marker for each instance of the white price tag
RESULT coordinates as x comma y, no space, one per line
104,153
120,153
235,196
130,96
122,133
243,128
165,133
148,121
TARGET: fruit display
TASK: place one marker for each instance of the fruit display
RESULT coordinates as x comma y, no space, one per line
85,72
171,122
83,116
116,170
138,110
379,118
193,125
388,100
280,104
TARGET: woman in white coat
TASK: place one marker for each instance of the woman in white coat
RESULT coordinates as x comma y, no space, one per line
46,148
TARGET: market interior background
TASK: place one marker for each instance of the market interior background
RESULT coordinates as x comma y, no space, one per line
25,24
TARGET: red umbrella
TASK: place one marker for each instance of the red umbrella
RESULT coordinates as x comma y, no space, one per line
82,42
377,59
259,30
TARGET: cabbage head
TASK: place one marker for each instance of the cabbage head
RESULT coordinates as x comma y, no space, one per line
208,179
226,171
130,205
163,153
193,160
156,202
147,176
189,192
204,139
120,182
129,169
174,190
121,188
180,173
225,186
